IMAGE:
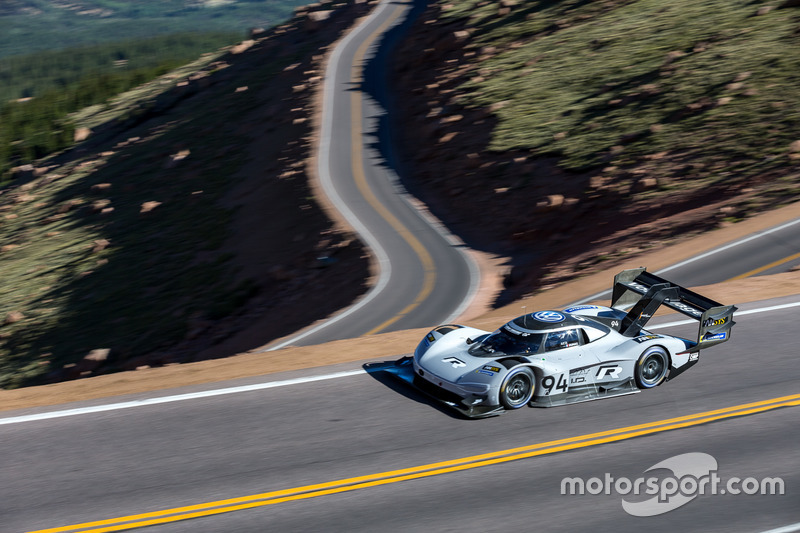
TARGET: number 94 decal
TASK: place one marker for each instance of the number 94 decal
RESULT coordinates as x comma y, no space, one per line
559,383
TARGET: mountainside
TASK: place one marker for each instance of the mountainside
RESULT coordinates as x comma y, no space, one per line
183,226
567,134
33,25
562,135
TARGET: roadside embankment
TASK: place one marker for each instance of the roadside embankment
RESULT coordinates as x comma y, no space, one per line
392,345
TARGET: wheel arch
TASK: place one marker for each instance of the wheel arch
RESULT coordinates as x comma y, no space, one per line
641,358
511,362
663,347
513,372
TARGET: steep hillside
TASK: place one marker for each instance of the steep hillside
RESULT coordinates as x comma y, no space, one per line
184,226
569,134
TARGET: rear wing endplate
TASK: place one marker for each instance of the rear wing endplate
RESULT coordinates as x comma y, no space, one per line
643,293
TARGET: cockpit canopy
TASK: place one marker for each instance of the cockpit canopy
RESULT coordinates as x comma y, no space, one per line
543,331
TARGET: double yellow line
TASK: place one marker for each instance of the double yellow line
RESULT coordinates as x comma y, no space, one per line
356,142
764,268
418,472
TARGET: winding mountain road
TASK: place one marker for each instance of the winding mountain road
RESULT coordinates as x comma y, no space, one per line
424,276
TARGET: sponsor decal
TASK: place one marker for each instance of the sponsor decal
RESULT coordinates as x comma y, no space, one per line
637,286
580,308
716,336
430,337
694,356
489,370
576,380
457,363
609,370
548,316
579,372
717,322
645,338
508,329
686,308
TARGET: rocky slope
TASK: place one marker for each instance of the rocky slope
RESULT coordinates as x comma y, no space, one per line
183,226
541,135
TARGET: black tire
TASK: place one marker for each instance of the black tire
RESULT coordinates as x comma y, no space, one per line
517,388
651,368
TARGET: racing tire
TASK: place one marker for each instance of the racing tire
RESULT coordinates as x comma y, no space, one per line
651,368
517,388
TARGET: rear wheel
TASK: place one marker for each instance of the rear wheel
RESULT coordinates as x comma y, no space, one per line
651,368
517,388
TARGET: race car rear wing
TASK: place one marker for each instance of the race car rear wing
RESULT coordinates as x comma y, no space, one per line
644,293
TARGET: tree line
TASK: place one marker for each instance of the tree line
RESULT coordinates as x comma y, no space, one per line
40,90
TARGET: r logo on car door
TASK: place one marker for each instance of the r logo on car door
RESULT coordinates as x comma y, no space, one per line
609,370
457,363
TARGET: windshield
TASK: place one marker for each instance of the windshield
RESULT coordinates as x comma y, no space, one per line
502,343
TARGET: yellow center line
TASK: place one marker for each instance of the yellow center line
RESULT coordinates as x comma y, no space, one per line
759,270
356,77
418,472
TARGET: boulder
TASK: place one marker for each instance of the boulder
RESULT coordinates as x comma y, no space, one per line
242,46
315,19
99,245
81,134
92,360
645,184
149,206
99,205
23,172
13,317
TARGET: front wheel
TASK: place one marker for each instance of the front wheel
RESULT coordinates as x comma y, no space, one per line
517,388
651,368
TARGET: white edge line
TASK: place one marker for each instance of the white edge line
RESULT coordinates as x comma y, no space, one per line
176,398
731,245
269,384
791,528
698,257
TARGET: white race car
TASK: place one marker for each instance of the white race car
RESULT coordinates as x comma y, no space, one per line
550,358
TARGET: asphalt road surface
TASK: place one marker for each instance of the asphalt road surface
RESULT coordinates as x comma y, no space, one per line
767,252
274,459
771,251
